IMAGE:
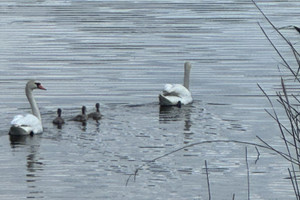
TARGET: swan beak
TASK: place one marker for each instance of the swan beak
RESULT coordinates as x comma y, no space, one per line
41,87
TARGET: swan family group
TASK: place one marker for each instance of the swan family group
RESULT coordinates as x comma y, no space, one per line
172,95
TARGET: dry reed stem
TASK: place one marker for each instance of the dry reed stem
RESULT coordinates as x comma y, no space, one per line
290,135
248,173
207,179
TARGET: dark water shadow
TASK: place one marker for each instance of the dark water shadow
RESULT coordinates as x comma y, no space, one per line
17,141
173,113
188,114
168,114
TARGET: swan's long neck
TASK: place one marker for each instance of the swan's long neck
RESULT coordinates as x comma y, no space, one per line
33,104
187,69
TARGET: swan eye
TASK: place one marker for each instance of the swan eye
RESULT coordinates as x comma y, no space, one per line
39,86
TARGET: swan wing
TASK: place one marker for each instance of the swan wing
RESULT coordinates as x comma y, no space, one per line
29,123
172,94
169,100
176,90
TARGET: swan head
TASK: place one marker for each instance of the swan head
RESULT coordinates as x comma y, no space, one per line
97,106
187,66
32,84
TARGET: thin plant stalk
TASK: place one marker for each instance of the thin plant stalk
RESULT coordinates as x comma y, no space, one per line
248,175
207,179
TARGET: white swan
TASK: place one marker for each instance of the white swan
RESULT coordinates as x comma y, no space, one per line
30,123
177,94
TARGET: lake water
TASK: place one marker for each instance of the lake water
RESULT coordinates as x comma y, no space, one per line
121,53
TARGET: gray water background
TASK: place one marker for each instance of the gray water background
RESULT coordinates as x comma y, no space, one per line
121,53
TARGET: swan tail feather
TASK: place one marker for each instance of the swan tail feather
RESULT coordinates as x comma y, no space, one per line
20,130
168,100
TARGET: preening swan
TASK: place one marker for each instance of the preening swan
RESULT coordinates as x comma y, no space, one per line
82,117
95,115
30,123
58,120
177,94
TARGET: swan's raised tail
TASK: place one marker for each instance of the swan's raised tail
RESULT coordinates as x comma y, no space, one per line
163,100
169,100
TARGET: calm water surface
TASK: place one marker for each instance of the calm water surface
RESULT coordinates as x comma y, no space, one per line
121,53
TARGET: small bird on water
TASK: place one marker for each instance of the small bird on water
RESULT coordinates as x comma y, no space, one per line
95,115
82,117
58,120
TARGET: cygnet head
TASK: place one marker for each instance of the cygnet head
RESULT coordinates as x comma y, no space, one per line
97,106
59,112
83,109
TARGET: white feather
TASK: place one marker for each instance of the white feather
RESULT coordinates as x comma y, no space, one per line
172,94
29,123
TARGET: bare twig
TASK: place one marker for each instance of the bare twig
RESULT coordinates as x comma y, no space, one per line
274,27
294,183
295,52
248,176
285,156
266,146
258,154
277,120
291,136
296,55
207,179
289,113
296,98
278,52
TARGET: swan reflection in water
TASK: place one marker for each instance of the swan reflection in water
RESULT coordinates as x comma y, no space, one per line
29,145
174,113
169,114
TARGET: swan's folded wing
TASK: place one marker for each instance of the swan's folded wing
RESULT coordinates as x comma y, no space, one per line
29,122
176,90
172,94
16,119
